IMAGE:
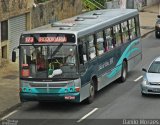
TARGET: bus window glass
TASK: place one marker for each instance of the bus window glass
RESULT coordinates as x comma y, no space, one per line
92,50
84,48
85,52
100,42
132,28
125,34
48,61
117,34
137,26
109,44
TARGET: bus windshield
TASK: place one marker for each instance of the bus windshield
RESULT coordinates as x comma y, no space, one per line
58,61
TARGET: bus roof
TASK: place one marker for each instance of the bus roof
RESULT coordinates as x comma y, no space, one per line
87,22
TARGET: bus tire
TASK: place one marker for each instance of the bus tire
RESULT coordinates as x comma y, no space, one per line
123,72
90,99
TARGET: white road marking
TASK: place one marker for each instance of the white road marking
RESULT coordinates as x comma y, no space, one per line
5,117
138,78
84,117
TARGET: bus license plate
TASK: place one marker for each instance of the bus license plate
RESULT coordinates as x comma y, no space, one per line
69,97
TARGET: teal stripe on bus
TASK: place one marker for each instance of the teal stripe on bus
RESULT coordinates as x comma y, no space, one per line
126,54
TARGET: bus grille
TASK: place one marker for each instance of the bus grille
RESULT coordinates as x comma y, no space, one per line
47,85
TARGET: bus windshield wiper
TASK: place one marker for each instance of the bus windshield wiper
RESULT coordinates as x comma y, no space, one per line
56,50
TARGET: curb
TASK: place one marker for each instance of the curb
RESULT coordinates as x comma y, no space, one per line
144,35
7,111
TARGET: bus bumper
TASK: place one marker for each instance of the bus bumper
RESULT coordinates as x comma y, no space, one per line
70,97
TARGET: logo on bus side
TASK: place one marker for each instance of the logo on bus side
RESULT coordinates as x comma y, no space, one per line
105,64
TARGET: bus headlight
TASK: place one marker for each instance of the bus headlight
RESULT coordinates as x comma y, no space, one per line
70,84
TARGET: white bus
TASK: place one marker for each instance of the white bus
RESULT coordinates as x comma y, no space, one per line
105,45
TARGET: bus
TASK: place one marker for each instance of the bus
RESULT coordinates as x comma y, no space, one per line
105,44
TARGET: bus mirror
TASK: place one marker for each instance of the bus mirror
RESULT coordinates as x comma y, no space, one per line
144,70
13,56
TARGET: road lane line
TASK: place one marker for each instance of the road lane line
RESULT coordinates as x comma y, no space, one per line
84,117
138,78
5,117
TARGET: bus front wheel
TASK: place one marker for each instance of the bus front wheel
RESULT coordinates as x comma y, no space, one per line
123,72
91,93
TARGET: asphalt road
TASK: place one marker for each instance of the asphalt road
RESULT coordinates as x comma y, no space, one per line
112,105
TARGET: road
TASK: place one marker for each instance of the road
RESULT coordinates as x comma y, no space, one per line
116,101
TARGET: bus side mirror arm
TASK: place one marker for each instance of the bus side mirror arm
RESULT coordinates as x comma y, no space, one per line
14,54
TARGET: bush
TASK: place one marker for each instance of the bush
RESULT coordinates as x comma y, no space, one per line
101,1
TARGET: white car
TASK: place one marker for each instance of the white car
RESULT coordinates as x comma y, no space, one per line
151,78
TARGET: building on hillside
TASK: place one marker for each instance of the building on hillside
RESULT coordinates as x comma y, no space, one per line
14,19
17,16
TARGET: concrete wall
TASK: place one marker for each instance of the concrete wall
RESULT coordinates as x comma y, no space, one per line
11,8
0,45
152,2
54,10
37,15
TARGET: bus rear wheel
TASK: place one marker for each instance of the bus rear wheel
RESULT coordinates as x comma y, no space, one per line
90,99
123,72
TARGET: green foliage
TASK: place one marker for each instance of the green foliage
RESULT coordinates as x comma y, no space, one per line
100,1
41,1
94,4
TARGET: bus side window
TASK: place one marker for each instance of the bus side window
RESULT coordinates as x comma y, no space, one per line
80,51
137,26
125,34
100,42
84,51
108,44
113,39
91,47
117,35
132,28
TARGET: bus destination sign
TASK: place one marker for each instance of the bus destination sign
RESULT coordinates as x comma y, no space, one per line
29,40
47,38
59,39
